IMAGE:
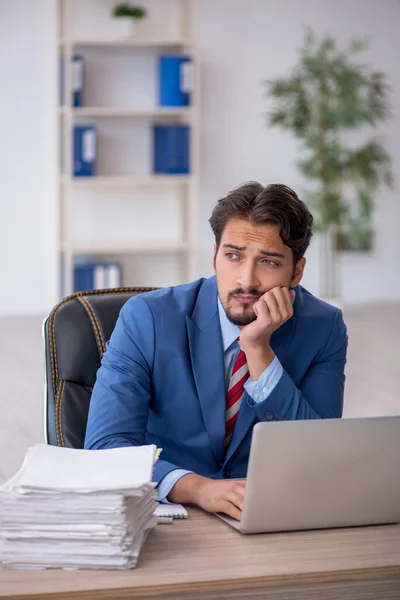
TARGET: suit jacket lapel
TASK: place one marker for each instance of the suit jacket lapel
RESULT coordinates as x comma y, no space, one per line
206,352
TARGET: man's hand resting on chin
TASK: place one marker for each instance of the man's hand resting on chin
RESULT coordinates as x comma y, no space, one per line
210,494
273,309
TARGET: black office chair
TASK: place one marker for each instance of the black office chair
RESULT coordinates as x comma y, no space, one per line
75,335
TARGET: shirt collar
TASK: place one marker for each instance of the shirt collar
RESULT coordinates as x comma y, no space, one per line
229,331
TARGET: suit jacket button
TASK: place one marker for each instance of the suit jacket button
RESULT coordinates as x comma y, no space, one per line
226,474
269,416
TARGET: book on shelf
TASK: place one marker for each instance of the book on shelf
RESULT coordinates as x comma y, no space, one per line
85,150
175,80
77,80
97,276
171,149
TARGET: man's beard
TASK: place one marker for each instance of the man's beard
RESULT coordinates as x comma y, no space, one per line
247,315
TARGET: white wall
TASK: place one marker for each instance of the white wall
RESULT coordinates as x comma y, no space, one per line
27,157
242,43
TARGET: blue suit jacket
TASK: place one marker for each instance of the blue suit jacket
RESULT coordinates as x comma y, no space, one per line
162,379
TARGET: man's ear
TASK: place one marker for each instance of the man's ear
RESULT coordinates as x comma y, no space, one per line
298,272
214,257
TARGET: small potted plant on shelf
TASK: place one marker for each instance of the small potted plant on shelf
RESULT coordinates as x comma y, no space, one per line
127,16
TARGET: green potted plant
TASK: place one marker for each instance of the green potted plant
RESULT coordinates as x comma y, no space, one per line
127,16
328,95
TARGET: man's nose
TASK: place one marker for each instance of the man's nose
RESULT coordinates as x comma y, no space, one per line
248,277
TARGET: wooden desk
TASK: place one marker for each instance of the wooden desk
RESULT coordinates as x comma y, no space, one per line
203,558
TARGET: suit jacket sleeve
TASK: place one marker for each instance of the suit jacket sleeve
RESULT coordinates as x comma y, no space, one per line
120,402
320,394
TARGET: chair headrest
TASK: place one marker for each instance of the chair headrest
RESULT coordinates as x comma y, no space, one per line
78,329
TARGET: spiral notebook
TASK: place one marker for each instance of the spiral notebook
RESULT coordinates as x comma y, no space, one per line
167,512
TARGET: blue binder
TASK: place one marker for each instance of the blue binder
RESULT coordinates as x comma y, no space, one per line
83,277
171,149
77,83
96,275
85,150
175,80
78,74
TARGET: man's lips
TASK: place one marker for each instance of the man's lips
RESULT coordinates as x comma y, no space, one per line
246,298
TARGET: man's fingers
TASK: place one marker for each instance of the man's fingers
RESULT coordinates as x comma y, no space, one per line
281,300
235,498
230,509
222,496
239,488
284,301
289,297
272,305
261,310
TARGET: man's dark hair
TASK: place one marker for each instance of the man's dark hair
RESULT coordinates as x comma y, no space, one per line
260,205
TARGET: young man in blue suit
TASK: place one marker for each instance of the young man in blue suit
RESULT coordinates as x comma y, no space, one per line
175,373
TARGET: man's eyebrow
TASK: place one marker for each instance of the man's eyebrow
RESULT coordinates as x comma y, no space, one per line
265,252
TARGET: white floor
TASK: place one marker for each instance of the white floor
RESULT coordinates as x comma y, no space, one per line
372,389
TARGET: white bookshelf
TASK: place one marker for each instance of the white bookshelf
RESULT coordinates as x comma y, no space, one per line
124,189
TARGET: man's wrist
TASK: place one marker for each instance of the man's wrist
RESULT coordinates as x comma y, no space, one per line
186,489
258,359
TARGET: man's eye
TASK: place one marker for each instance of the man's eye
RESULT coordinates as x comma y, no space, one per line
268,261
231,255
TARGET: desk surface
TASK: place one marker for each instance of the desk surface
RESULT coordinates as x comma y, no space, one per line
204,554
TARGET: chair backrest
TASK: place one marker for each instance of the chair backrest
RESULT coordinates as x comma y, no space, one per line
75,335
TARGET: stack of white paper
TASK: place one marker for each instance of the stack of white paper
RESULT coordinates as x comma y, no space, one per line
78,509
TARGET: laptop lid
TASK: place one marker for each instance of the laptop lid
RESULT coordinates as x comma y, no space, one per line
321,474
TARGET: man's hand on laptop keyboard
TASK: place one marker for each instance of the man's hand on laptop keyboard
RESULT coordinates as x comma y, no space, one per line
216,496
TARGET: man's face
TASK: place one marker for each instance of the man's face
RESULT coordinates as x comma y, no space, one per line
251,260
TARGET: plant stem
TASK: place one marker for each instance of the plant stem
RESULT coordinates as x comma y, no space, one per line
330,275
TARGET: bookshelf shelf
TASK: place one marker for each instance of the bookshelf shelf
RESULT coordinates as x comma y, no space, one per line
126,111
125,43
146,247
126,180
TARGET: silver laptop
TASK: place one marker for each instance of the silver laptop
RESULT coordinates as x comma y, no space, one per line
322,474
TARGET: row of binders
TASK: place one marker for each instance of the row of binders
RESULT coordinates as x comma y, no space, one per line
175,80
170,143
78,509
97,276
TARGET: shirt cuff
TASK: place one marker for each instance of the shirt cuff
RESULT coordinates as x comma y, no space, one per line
260,390
167,483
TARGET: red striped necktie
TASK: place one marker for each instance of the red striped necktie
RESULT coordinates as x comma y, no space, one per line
234,396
